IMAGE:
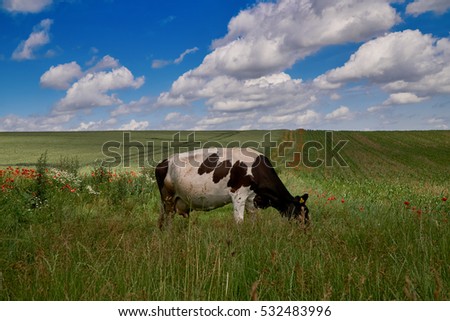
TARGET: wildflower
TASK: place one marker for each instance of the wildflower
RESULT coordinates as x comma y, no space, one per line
91,190
6,187
444,199
419,213
342,201
406,203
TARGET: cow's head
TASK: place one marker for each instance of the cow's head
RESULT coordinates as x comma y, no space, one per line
298,209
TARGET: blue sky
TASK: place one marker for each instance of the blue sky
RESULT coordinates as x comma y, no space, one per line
135,65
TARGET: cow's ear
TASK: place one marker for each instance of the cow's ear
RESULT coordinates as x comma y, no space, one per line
302,199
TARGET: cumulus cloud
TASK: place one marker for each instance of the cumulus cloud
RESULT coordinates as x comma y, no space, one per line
91,88
38,38
172,116
34,123
341,113
227,94
107,62
135,125
61,76
403,98
408,63
304,118
308,117
396,56
418,7
96,125
271,37
26,6
178,118
438,123
135,106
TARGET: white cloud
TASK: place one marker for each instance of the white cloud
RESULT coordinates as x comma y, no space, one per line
377,108
132,107
96,125
61,76
335,96
172,116
270,119
186,52
271,37
438,123
34,123
107,62
135,125
418,7
217,120
396,56
341,113
227,94
307,118
409,63
92,89
91,125
38,38
26,6
160,63
304,118
64,75
403,98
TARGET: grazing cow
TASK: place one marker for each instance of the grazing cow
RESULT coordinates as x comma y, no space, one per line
205,180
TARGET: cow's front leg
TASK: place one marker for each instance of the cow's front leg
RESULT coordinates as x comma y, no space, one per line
250,207
239,199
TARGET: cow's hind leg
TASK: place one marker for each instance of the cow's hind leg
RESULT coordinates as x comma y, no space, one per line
167,203
167,211
166,215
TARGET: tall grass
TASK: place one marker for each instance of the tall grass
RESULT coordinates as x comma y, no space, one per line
374,236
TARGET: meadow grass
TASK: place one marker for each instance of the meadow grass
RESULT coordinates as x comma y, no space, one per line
379,231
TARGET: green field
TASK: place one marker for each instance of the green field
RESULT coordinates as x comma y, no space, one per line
380,225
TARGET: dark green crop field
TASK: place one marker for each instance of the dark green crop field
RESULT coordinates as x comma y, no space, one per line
72,228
